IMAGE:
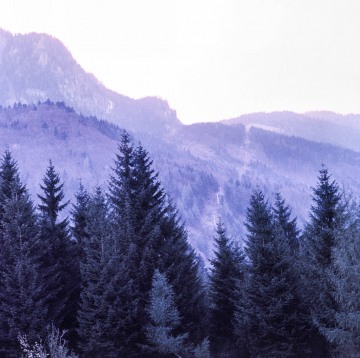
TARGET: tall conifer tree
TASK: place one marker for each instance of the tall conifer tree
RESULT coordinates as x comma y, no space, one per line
8,176
22,305
80,218
103,316
268,308
226,273
284,222
327,217
58,253
147,236
344,275
178,261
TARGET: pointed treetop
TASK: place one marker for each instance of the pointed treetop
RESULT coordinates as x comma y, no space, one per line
9,175
283,221
327,200
258,215
53,194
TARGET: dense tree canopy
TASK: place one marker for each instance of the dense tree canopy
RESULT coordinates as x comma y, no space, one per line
125,282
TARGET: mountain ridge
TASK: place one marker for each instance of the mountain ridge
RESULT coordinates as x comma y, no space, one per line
209,169
321,126
36,67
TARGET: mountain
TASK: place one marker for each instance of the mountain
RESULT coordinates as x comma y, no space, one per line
36,67
321,126
209,169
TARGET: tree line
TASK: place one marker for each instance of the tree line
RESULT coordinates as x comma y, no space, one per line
120,279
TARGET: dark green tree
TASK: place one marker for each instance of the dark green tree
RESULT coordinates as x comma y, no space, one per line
51,201
22,305
59,263
121,181
9,174
147,236
80,215
226,272
287,225
101,271
125,247
344,275
268,308
327,218
182,268
9,178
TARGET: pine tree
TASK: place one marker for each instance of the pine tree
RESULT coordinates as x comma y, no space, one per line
149,201
53,194
104,310
8,175
327,217
121,182
147,236
226,273
80,217
96,254
182,268
9,178
22,305
288,226
164,318
343,274
268,308
58,253
125,242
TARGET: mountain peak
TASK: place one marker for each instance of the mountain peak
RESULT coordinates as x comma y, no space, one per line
35,67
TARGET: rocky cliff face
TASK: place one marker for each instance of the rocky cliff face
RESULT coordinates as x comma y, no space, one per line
37,67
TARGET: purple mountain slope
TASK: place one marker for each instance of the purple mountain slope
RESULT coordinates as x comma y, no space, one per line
209,169
35,67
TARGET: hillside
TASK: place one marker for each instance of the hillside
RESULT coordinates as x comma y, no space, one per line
209,169
321,126
36,67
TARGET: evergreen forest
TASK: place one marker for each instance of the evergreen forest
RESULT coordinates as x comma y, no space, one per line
118,277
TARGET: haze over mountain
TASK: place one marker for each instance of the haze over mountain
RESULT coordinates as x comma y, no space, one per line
35,67
208,168
321,126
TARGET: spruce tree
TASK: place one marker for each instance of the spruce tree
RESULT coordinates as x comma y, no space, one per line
80,219
179,262
268,308
22,304
164,318
101,315
8,175
9,178
227,271
284,222
343,274
125,245
147,236
327,217
51,200
58,253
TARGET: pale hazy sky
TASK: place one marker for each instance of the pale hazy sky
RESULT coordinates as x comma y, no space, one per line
210,59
